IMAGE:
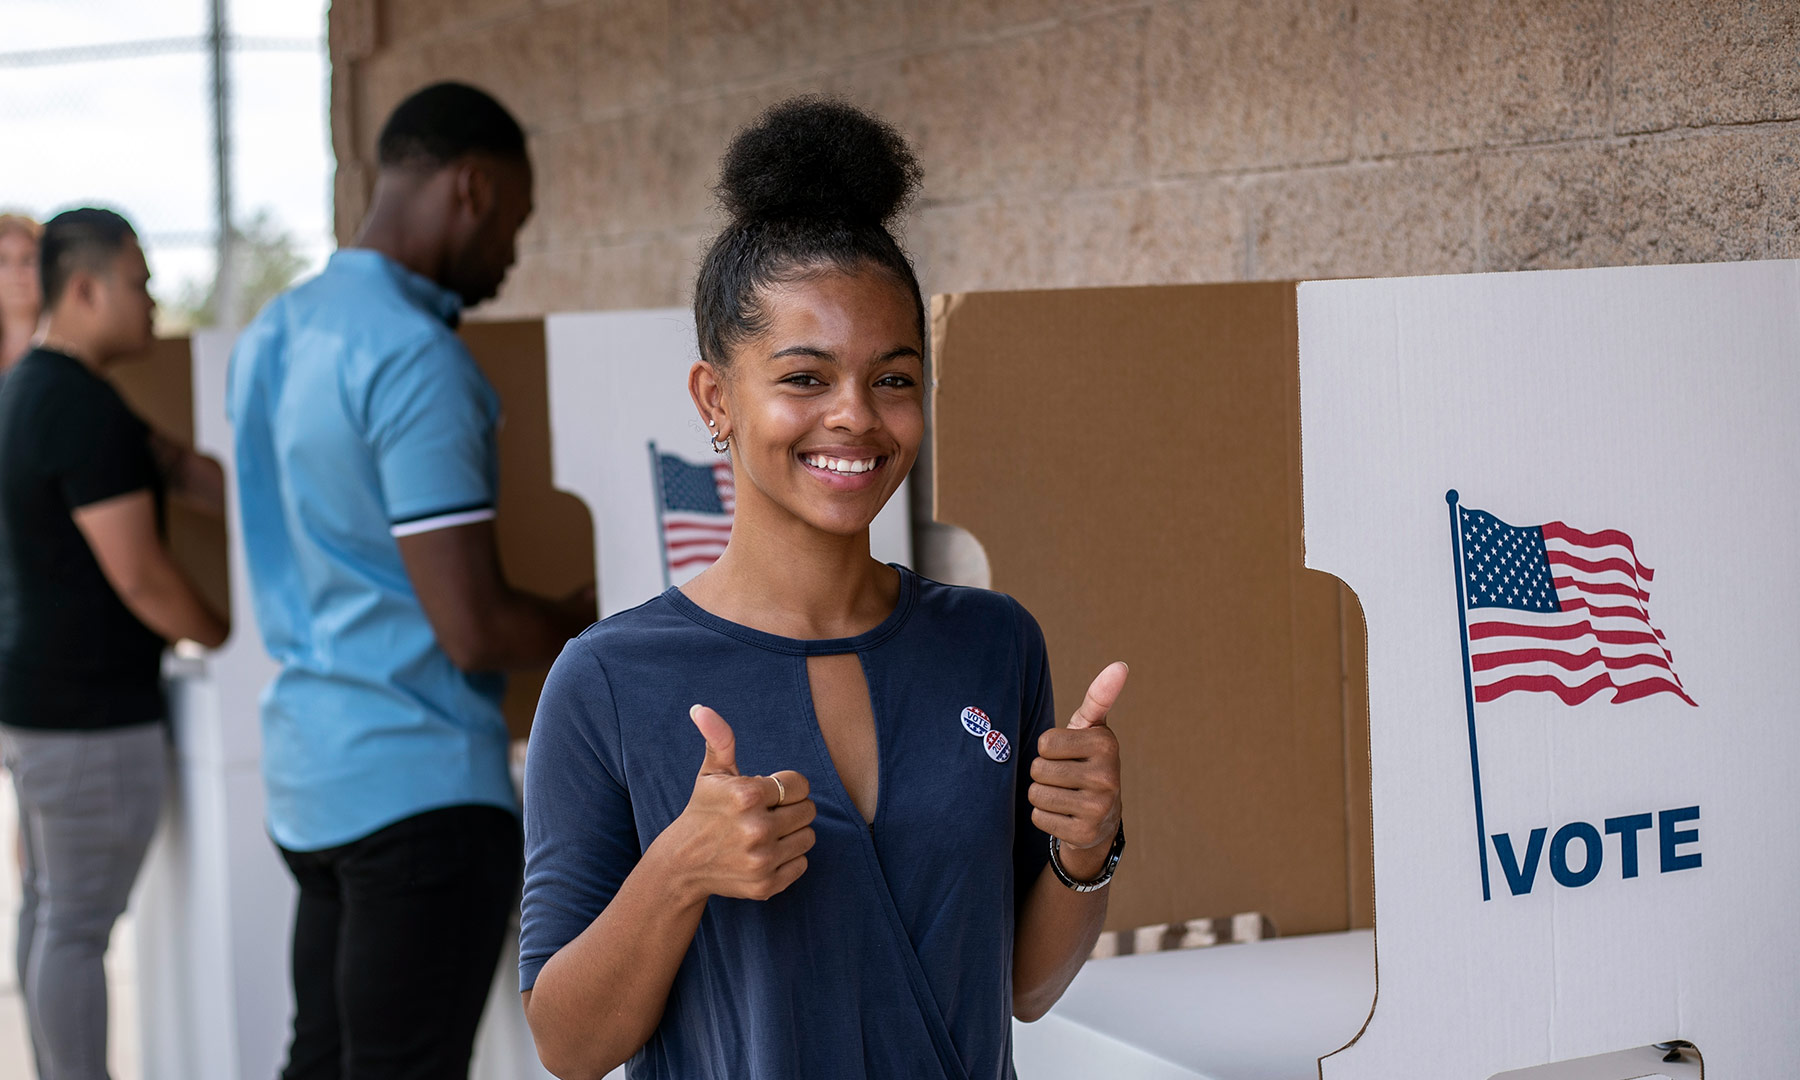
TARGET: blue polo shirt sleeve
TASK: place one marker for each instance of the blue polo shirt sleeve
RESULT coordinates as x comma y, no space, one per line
580,835
1031,845
430,422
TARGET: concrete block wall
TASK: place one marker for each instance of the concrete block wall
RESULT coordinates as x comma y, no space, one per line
1098,142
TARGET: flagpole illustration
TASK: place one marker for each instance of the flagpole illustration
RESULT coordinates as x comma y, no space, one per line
662,538
1462,622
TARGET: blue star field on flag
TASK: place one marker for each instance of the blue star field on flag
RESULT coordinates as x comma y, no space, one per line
691,488
1506,566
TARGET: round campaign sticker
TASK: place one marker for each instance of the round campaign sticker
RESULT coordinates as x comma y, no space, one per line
975,721
997,746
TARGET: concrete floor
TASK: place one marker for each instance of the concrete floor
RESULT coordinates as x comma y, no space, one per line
15,1046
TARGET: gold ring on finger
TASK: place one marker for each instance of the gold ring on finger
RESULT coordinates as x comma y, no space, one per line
780,791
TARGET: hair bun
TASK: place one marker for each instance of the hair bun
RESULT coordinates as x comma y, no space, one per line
818,157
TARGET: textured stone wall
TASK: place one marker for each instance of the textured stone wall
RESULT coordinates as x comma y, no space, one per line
1099,142
1088,142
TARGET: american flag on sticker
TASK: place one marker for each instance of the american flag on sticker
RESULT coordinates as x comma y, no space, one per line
1553,609
694,505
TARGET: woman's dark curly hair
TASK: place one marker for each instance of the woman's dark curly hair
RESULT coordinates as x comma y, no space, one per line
810,186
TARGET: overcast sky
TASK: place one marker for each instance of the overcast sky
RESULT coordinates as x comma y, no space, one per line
136,134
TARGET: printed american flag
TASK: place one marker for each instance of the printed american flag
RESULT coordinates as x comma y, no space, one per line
694,509
1553,609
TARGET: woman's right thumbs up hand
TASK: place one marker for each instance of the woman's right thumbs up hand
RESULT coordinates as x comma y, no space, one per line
742,836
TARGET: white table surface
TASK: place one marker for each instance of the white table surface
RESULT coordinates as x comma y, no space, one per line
1266,1010
1261,1011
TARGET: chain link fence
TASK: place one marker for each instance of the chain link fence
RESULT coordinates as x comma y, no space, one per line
114,103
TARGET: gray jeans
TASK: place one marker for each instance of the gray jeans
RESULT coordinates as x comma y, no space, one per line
88,803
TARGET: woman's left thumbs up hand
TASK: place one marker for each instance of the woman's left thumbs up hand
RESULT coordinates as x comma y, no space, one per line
1075,793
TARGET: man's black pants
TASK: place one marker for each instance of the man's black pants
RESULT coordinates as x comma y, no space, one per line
395,941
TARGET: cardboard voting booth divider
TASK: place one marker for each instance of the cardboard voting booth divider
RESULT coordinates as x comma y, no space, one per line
1565,500
1130,460
546,536
215,905
159,387
213,902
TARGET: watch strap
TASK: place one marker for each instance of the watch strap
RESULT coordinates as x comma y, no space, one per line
1106,871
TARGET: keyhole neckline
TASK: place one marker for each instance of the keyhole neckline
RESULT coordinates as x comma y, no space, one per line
868,639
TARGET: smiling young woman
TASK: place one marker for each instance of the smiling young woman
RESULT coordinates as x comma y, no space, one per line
869,845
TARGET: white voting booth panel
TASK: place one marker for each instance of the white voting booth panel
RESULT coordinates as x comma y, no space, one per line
622,425
1566,502
1261,1011
214,904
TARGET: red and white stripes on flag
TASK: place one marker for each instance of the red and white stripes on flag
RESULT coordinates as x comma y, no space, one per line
695,506
696,540
1553,609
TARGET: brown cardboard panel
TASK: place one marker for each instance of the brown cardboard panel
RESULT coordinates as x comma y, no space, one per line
159,386
1130,460
1359,830
546,536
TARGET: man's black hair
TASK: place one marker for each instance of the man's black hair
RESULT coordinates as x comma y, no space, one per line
445,121
84,239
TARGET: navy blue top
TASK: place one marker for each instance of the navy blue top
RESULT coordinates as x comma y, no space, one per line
892,955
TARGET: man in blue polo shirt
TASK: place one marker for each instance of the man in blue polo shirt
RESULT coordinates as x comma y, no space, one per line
366,481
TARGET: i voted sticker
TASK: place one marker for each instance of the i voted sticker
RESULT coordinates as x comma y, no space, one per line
975,721
997,746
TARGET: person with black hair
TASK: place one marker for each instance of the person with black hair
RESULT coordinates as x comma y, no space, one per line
890,850
89,593
367,485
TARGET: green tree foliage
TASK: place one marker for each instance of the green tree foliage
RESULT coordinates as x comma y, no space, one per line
268,261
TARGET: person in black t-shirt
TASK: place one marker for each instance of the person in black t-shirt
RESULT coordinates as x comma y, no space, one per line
88,595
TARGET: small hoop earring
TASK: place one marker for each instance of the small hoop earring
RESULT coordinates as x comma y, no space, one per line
721,445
